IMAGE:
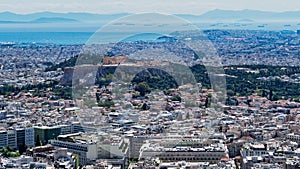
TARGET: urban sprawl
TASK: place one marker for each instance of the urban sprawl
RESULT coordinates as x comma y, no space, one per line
42,128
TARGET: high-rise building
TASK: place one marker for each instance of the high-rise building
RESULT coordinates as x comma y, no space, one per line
20,134
66,129
3,114
43,134
85,148
11,139
76,127
29,137
17,138
3,138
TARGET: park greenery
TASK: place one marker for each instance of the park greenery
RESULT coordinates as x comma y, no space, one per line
241,80
106,103
40,89
66,63
8,152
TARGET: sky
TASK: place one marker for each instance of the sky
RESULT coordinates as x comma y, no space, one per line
140,6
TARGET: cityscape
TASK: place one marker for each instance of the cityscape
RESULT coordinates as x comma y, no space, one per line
138,89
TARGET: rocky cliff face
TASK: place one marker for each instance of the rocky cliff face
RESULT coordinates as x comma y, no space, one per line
66,80
85,74
82,71
115,60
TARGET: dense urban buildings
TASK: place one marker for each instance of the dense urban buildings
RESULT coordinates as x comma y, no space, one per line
153,123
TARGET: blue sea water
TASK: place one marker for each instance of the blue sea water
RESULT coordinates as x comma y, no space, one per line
71,38
75,38
58,38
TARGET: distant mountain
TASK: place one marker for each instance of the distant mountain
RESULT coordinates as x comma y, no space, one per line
50,20
211,16
42,20
8,16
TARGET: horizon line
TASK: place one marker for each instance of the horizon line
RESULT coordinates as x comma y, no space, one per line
87,12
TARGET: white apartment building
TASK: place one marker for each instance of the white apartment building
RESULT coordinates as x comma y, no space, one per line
211,154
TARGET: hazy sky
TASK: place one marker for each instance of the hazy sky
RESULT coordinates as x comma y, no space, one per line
138,6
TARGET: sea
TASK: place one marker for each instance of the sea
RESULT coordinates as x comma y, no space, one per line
44,38
71,38
41,37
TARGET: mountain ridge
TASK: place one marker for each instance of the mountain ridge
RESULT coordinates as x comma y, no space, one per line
213,15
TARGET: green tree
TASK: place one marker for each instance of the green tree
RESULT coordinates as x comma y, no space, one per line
143,88
145,106
176,98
